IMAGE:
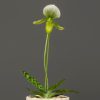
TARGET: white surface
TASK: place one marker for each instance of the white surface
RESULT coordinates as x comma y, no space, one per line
54,98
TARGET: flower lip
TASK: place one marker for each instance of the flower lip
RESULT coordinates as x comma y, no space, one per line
51,11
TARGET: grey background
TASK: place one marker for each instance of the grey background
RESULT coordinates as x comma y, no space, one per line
74,52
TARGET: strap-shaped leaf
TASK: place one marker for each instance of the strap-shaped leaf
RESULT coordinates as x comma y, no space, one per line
53,87
33,81
34,92
64,91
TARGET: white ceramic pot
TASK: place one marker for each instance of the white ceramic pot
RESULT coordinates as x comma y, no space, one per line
60,97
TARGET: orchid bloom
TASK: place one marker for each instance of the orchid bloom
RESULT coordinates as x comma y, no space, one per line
50,12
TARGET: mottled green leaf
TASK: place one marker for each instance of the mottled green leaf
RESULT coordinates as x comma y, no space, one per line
34,92
33,81
65,91
53,87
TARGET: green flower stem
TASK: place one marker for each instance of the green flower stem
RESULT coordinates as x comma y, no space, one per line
46,53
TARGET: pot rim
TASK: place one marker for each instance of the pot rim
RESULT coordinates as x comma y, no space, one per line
59,96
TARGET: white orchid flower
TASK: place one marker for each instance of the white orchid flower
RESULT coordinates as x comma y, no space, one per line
50,12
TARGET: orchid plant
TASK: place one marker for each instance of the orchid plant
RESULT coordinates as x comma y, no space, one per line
50,12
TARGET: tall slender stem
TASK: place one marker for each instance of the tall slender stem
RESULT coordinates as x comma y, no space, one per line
46,53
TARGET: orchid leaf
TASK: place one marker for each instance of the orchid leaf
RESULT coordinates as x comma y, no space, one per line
56,85
62,92
33,81
35,92
65,91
